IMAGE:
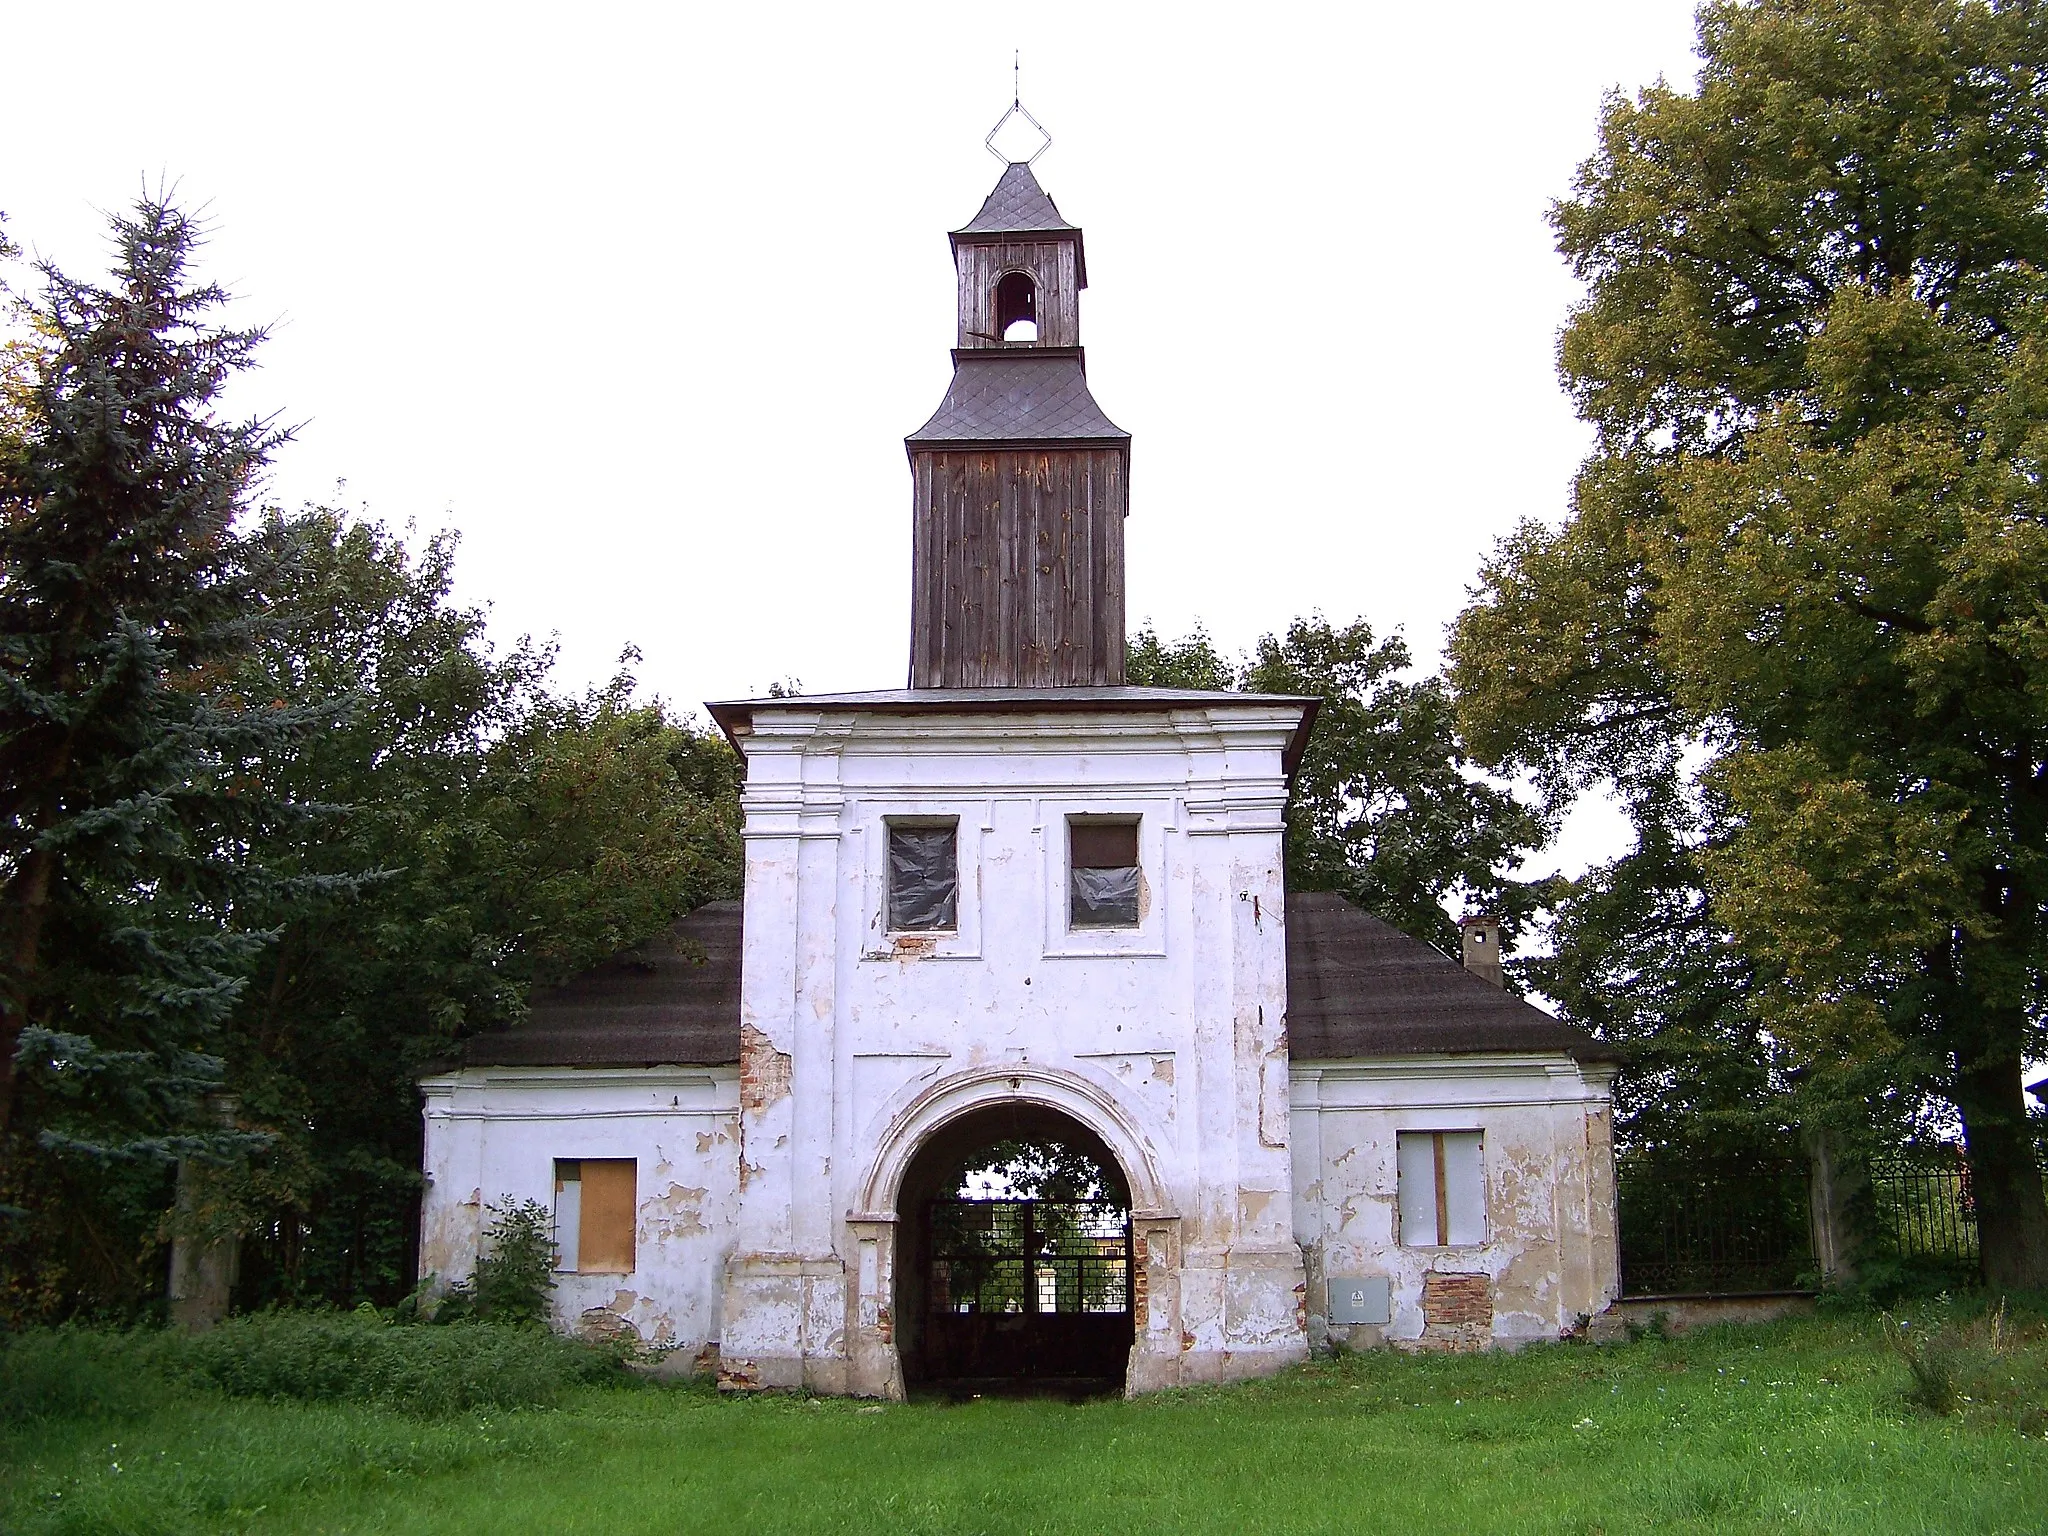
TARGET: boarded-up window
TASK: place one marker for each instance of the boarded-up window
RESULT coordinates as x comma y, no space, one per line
596,1203
1442,1187
1102,874
924,877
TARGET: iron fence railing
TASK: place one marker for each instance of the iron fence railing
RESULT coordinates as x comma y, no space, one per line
1687,1229
1922,1207
1692,1226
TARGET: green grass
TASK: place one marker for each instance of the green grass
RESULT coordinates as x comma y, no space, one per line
1794,1427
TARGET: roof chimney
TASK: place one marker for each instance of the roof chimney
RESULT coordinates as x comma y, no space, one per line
1482,949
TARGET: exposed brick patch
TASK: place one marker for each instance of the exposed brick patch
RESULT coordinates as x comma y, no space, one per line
738,1375
1450,1299
1141,1282
764,1071
1457,1311
601,1325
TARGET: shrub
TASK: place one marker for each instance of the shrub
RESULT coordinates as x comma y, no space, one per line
1934,1363
353,1357
514,1275
359,1357
1989,1366
72,1372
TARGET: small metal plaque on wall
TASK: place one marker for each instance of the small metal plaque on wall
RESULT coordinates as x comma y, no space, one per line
1361,1299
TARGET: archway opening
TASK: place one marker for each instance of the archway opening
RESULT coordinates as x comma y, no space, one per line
1015,1267
1017,307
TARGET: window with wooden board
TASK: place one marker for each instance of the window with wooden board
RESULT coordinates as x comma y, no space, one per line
596,1209
1442,1181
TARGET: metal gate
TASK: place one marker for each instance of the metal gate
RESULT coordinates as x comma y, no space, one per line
1034,1290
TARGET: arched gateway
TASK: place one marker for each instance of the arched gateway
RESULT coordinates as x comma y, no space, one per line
1015,1255
997,1279
1019,901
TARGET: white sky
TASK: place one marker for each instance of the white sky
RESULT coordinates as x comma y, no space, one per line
643,300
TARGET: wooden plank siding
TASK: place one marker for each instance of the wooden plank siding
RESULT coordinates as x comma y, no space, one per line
1054,270
1017,567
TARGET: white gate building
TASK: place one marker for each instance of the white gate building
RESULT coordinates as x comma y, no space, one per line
1019,899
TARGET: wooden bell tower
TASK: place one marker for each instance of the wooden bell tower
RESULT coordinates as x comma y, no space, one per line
1020,483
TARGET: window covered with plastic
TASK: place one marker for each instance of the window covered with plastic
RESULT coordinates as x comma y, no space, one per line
1102,874
924,878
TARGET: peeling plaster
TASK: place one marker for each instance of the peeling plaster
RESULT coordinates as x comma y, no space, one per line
677,1213
1536,1196
764,1071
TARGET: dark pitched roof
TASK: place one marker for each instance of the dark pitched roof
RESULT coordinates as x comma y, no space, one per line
1355,987
1359,987
1018,395
1017,206
672,1001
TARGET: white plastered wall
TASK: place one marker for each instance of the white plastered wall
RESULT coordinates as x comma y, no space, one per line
1549,1256
1167,1040
493,1135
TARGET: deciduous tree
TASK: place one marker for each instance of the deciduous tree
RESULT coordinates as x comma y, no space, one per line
517,837
1808,551
1384,808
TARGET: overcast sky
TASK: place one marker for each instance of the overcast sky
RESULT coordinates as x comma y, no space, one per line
643,300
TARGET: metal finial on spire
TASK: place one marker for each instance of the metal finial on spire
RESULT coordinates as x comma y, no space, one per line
1017,109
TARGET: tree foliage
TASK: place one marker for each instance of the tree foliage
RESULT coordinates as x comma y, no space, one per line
130,801
278,825
1807,556
1385,808
518,836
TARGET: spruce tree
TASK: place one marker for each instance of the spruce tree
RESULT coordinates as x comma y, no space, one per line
128,792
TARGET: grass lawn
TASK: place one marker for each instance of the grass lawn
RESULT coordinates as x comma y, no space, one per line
1792,1427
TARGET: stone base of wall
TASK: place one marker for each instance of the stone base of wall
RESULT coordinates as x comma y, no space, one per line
784,1327
1682,1314
1208,1367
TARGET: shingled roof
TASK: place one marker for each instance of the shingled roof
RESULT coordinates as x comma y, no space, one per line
1035,395
1359,987
1017,206
1356,987
672,1001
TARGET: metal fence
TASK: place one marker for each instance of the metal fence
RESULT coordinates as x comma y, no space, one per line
1689,1229
1030,1256
1922,1207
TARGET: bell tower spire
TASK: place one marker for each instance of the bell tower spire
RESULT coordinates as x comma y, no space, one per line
1019,482
1019,261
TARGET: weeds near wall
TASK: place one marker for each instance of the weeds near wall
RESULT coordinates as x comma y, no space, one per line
1987,1367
